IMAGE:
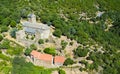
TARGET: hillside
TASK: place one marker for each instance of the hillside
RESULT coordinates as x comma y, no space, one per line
93,24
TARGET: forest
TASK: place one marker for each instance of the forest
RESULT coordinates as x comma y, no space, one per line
72,18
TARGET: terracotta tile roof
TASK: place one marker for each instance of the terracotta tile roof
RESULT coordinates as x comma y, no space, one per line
44,57
59,59
35,54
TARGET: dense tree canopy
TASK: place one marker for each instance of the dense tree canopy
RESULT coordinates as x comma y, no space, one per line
20,66
72,18
81,52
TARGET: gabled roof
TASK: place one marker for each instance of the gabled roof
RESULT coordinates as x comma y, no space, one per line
44,57
59,59
32,27
35,54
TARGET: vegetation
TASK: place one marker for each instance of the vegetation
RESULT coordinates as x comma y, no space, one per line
66,16
1,37
61,71
28,51
4,29
57,33
51,51
20,66
13,23
33,47
3,57
63,44
81,52
41,41
68,61
5,44
13,32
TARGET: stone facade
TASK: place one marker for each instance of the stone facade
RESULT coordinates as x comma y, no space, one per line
46,60
34,29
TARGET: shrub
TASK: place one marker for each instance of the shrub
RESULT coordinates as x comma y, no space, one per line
61,71
50,51
5,44
1,37
13,32
4,29
68,61
81,52
71,43
33,47
63,44
13,23
28,51
57,33
4,57
41,41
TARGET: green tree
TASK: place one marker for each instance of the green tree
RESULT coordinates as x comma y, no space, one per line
68,61
63,44
33,47
13,32
13,23
57,33
28,51
6,21
5,44
61,71
4,28
1,37
81,52
41,41
20,66
50,51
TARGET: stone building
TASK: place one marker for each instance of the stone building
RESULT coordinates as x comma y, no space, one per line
34,29
59,60
41,59
46,60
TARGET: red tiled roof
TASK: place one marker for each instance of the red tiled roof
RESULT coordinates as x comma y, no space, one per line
59,59
35,54
44,57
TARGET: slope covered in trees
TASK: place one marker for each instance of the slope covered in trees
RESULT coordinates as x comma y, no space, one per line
72,18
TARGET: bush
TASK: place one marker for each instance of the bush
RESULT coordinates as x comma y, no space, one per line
51,51
57,33
5,44
71,43
61,71
33,47
32,38
27,51
1,37
41,41
81,52
4,29
4,57
13,32
63,44
68,61
21,66
46,40
13,23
